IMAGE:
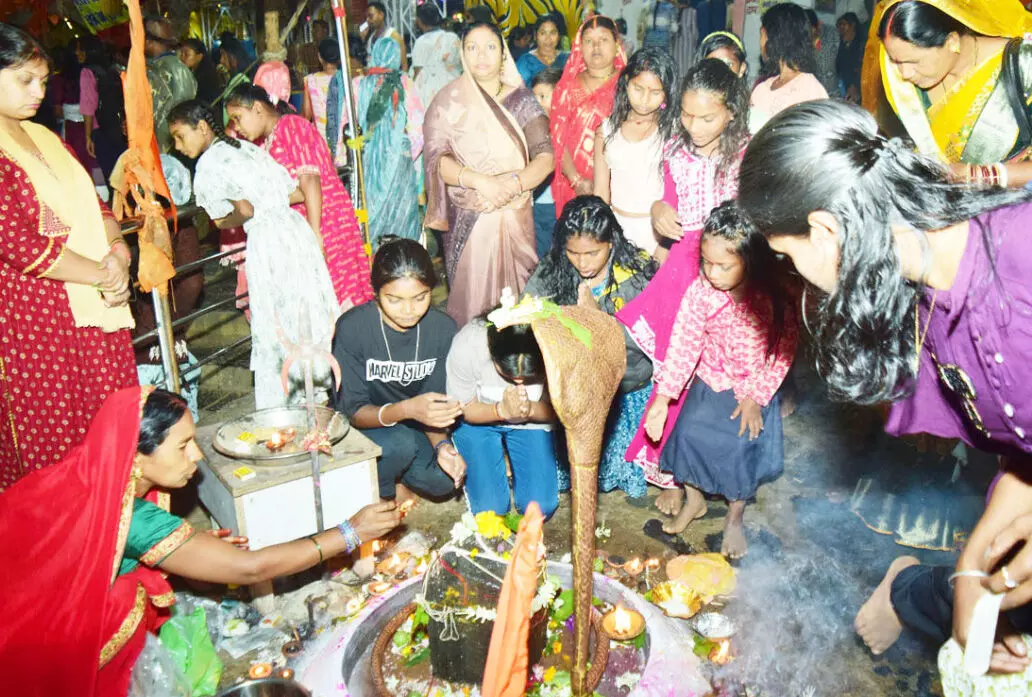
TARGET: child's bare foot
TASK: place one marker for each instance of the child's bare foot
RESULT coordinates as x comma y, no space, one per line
734,545
670,501
692,509
877,622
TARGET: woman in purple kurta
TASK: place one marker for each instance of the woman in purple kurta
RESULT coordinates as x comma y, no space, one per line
925,300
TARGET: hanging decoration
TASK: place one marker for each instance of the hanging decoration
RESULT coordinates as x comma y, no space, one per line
99,15
518,13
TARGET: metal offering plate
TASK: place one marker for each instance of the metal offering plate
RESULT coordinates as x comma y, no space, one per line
713,625
245,438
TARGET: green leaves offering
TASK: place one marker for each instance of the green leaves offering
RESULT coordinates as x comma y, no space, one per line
703,646
418,657
512,521
563,607
420,618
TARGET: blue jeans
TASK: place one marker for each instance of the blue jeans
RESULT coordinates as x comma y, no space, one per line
544,224
534,467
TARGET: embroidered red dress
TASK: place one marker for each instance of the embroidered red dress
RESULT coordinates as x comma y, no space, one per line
297,145
53,375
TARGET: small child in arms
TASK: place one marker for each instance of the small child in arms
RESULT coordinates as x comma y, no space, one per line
735,334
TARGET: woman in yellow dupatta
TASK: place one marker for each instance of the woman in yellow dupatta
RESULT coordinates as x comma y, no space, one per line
64,280
486,148
941,65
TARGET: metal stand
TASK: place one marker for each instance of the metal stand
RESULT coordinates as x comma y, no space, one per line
166,339
357,182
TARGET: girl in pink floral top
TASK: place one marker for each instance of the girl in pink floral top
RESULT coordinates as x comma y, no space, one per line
732,344
701,170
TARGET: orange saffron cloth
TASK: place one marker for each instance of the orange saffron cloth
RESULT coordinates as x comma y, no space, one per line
505,673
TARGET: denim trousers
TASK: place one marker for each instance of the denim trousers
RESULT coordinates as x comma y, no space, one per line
534,467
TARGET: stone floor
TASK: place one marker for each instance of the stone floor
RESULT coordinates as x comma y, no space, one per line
812,562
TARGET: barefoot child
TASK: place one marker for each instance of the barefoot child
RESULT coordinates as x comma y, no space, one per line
701,171
629,144
734,335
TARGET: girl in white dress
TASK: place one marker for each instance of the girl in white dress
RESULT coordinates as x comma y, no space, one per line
237,183
629,144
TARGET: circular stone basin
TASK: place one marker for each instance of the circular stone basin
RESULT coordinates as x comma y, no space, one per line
339,664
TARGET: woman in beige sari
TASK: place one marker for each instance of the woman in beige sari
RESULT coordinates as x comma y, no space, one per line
487,147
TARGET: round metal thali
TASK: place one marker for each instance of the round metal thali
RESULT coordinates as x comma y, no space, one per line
245,438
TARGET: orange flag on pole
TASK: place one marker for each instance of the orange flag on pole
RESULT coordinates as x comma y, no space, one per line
139,176
505,674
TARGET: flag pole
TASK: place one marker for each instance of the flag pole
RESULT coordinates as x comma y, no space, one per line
354,138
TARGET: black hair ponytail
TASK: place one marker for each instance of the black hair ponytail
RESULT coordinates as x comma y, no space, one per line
192,112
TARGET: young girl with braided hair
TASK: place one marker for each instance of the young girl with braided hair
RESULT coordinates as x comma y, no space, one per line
238,183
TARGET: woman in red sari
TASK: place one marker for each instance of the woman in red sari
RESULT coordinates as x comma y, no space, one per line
583,98
296,144
64,280
85,545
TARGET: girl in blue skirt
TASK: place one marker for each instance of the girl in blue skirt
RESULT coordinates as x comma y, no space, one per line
731,346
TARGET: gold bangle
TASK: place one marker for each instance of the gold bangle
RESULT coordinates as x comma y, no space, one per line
318,547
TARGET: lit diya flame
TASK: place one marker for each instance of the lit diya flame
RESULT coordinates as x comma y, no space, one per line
378,587
260,670
394,564
280,438
622,624
421,568
406,506
634,566
652,564
721,655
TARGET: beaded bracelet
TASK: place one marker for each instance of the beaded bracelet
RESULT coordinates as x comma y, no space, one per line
351,539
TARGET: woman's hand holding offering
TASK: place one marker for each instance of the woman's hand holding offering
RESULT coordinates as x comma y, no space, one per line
376,520
432,409
665,222
1015,577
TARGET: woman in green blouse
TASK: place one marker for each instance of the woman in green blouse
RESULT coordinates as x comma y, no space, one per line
85,546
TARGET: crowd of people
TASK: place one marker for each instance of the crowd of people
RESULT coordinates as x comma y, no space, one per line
676,198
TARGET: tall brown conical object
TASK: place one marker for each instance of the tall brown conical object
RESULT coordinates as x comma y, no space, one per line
582,381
